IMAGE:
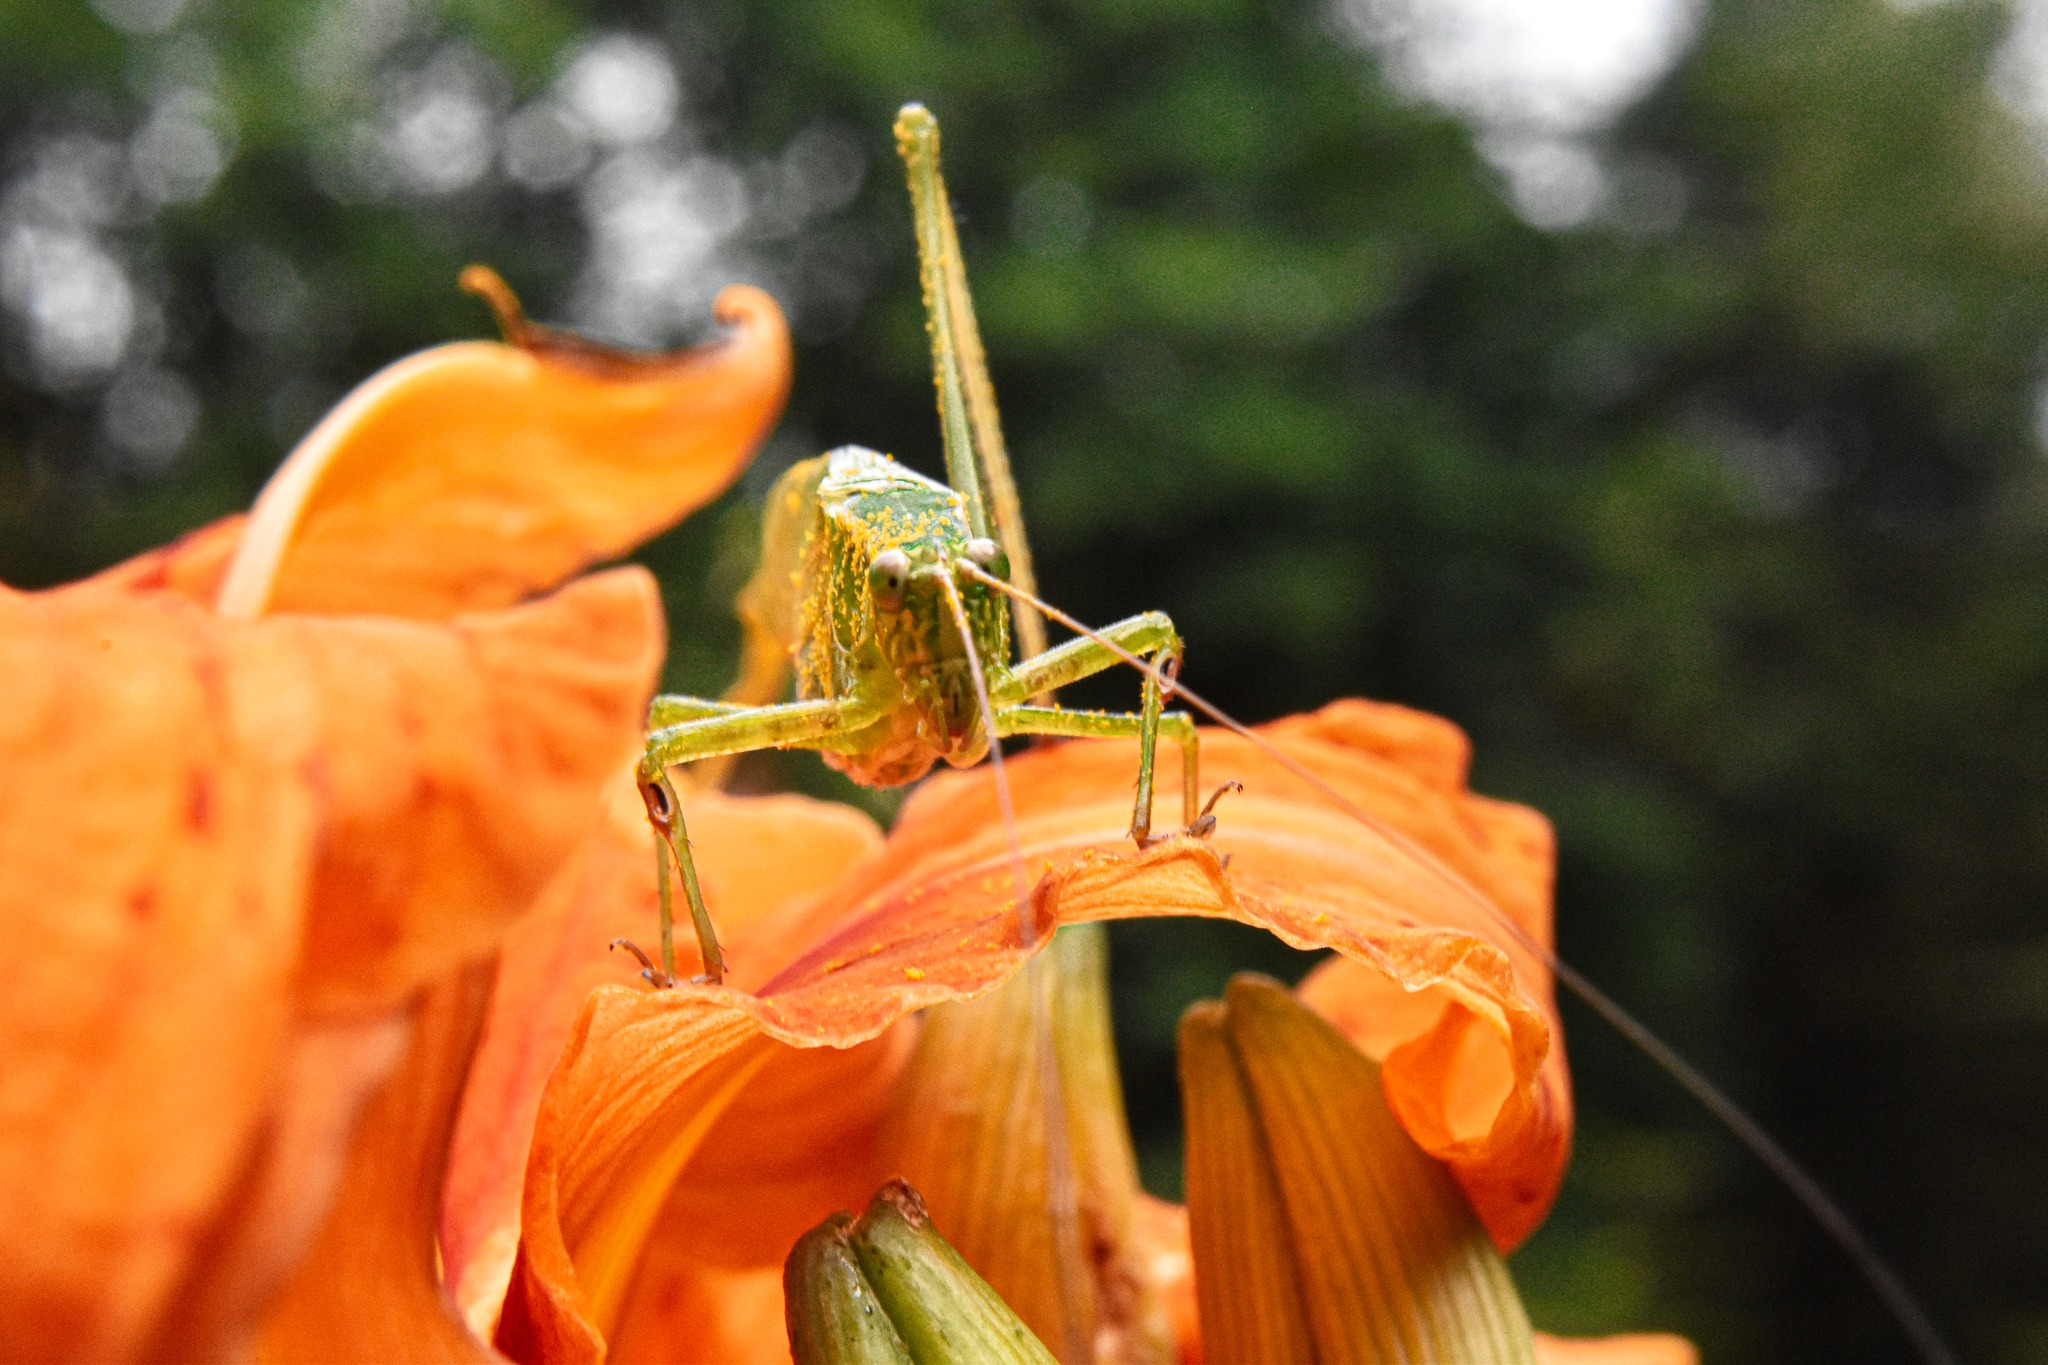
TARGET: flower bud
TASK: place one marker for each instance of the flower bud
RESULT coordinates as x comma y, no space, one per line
831,1309
888,1289
1319,1229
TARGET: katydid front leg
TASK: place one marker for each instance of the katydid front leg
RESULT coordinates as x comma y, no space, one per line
699,729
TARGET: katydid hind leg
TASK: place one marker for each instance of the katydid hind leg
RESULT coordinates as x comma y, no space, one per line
967,396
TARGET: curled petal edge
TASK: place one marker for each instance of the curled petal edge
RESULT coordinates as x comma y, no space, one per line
473,474
646,1074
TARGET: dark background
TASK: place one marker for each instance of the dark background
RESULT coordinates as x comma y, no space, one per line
1715,512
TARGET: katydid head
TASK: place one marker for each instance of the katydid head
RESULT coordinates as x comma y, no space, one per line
917,631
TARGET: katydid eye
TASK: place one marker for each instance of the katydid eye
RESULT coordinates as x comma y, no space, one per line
888,575
986,555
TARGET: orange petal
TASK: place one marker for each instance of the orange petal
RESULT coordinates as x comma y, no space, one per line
155,849
1258,1311
472,475
460,771
1473,1053
650,1080
1168,1258
929,920
1640,1348
370,1290
284,1190
799,1142
191,566
209,831
645,1076
969,1130
756,856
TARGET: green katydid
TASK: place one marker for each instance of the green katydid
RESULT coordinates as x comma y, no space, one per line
882,589
886,591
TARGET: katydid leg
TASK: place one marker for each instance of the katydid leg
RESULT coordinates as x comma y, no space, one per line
763,679
1148,635
1148,747
671,835
667,710
719,728
741,730
1175,725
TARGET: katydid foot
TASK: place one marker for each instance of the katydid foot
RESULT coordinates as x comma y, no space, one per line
1201,827
665,813
651,974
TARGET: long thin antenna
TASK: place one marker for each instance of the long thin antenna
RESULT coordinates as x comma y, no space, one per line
1026,929
1062,1200
1818,1203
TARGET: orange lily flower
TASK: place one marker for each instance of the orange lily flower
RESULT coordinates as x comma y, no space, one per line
630,1167
330,761
1466,1030
263,785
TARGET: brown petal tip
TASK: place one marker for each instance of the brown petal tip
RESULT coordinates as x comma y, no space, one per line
901,1196
488,285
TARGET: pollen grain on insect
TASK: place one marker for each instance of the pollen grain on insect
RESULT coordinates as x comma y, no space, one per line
913,973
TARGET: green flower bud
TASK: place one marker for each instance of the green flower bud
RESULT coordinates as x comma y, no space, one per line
888,1290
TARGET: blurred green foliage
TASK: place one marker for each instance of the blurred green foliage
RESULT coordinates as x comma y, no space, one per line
1718,520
